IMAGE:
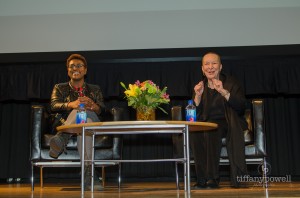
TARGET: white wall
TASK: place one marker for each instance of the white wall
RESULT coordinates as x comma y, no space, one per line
71,25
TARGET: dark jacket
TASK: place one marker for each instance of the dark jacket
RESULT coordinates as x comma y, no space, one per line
234,113
63,94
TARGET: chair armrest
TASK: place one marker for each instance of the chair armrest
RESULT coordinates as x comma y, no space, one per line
258,123
36,130
117,147
118,115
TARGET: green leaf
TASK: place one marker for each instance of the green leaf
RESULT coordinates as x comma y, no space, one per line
131,102
162,110
123,85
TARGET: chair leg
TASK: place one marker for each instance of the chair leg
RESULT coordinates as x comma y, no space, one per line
265,181
32,177
119,178
103,176
176,175
41,177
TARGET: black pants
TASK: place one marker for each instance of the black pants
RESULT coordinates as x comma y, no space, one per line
206,147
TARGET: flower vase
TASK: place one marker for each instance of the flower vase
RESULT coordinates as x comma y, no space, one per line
145,113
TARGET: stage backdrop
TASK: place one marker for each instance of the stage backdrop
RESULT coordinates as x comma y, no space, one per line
268,72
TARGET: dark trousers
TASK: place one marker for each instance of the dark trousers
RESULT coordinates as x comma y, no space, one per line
206,147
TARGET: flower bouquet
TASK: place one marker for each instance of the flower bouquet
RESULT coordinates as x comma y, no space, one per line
145,96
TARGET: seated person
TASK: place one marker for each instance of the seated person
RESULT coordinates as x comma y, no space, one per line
220,99
65,99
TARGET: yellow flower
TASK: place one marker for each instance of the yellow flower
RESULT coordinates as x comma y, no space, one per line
132,90
145,94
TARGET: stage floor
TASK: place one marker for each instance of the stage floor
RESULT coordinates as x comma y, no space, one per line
146,189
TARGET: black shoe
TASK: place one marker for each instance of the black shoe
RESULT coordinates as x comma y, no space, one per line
199,186
88,178
97,187
57,145
212,183
240,185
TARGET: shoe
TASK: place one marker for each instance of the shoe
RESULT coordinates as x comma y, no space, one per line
240,185
88,178
58,144
97,187
237,184
200,185
56,147
212,183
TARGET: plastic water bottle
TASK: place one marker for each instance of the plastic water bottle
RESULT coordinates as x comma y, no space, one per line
190,112
81,114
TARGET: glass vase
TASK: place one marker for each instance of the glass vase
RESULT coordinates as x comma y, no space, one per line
145,113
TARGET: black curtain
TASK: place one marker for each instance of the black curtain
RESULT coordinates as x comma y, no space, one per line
282,127
14,139
273,78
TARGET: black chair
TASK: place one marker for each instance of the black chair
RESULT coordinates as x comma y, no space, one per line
255,140
106,147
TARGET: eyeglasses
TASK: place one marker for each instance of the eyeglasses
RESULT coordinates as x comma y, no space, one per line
73,66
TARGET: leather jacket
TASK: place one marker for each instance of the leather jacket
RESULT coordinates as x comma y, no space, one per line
64,93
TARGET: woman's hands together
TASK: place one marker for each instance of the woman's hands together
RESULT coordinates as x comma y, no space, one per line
88,103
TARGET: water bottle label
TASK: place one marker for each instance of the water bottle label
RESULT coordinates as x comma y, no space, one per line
191,115
81,117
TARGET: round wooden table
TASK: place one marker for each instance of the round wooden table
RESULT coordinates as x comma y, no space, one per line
140,127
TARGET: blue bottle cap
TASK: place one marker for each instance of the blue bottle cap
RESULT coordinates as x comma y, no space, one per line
190,102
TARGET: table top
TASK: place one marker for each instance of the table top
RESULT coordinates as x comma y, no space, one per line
193,126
